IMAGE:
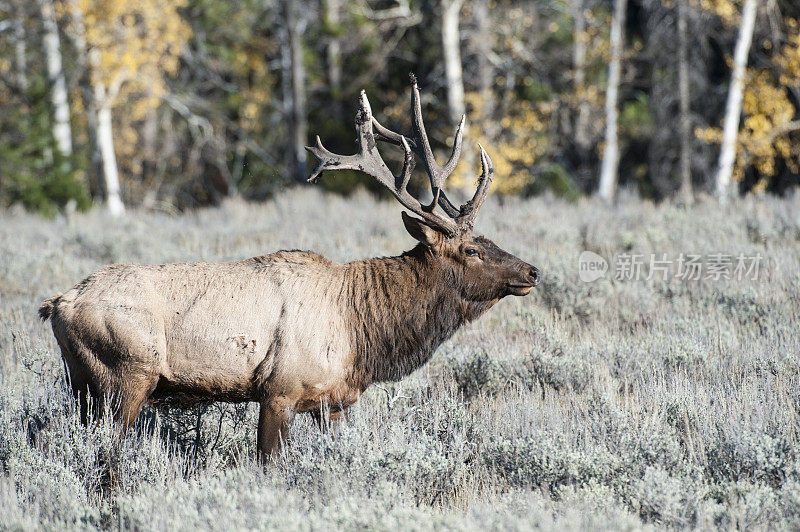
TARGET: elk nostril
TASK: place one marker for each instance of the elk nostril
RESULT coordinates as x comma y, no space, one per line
534,273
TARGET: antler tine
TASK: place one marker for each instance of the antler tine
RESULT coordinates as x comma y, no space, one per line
470,209
455,154
364,160
408,163
325,158
384,133
369,160
450,165
437,174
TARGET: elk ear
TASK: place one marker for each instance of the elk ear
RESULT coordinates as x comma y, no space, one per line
421,231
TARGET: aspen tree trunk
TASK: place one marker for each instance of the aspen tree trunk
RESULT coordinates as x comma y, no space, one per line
485,70
149,137
20,46
454,78
294,78
579,77
101,102
78,35
58,86
453,71
334,57
687,196
105,139
733,108
610,166
286,92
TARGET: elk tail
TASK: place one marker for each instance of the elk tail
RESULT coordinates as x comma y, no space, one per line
47,307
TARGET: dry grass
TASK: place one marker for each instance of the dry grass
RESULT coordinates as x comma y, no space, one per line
616,404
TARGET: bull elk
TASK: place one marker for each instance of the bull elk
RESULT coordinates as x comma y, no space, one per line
290,330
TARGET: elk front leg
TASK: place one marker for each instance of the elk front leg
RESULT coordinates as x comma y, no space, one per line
273,428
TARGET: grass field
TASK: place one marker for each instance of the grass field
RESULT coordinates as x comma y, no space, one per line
618,404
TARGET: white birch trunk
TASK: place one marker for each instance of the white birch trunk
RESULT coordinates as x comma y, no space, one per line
58,86
733,107
610,165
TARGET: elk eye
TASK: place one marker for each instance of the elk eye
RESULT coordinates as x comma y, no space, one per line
471,252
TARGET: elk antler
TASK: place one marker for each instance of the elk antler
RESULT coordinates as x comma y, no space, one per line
369,161
468,211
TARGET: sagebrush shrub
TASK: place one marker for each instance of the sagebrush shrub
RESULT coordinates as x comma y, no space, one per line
618,404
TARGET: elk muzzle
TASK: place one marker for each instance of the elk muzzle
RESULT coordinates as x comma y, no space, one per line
528,279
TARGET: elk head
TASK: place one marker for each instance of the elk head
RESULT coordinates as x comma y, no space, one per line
483,271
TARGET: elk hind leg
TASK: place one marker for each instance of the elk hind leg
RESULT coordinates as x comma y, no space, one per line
134,393
134,364
85,391
273,428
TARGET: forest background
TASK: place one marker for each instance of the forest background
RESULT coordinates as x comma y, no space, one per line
176,104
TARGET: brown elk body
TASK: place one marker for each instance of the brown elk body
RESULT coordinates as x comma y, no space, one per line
291,330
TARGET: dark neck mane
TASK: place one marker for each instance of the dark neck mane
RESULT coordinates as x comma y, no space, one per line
402,308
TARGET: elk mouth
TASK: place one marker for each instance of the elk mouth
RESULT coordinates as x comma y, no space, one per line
519,289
